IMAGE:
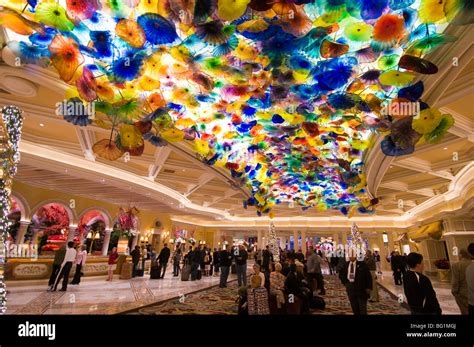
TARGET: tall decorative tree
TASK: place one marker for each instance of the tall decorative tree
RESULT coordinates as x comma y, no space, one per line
10,134
273,242
357,241
356,236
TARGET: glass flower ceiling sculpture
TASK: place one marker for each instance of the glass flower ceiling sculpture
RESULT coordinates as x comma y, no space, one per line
285,94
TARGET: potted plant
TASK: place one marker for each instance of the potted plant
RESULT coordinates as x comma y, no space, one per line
444,270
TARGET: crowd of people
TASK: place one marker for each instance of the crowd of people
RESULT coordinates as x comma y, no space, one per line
295,280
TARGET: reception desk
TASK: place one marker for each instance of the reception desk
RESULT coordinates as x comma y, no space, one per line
31,269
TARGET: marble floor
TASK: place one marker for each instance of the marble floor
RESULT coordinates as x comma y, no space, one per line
443,292
95,295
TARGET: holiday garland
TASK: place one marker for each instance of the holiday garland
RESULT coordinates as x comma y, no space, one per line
273,243
12,122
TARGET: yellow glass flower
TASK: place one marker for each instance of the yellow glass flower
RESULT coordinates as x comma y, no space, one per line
426,121
201,146
396,78
231,10
130,136
148,83
172,135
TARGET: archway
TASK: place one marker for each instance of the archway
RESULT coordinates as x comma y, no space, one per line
91,229
49,227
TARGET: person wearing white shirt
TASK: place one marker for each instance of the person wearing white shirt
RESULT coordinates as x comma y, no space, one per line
355,275
80,263
66,266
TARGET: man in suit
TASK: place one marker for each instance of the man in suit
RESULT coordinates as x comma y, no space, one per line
396,262
163,260
355,275
458,280
419,292
135,259
267,258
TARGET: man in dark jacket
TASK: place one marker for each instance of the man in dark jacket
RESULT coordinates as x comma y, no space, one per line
135,259
356,277
266,259
215,261
241,256
163,258
195,259
396,262
225,261
419,292
58,260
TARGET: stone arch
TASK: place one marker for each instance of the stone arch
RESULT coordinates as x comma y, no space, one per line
23,204
71,213
105,214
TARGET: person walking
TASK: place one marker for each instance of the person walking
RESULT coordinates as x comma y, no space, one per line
112,263
419,291
267,258
396,263
241,257
356,277
215,261
66,266
207,261
163,258
378,267
80,263
58,260
314,273
225,261
370,261
458,280
135,259
177,256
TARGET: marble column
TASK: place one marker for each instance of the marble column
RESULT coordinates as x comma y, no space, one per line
259,239
295,242
105,244
303,241
72,232
20,235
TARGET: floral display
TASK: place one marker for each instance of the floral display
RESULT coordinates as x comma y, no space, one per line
287,95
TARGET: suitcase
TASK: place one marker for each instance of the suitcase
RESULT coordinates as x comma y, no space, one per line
257,301
140,272
199,274
154,272
233,269
185,272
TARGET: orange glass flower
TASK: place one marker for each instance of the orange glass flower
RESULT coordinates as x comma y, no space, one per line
131,32
65,56
388,28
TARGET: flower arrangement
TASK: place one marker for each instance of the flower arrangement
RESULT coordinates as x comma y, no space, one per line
442,264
